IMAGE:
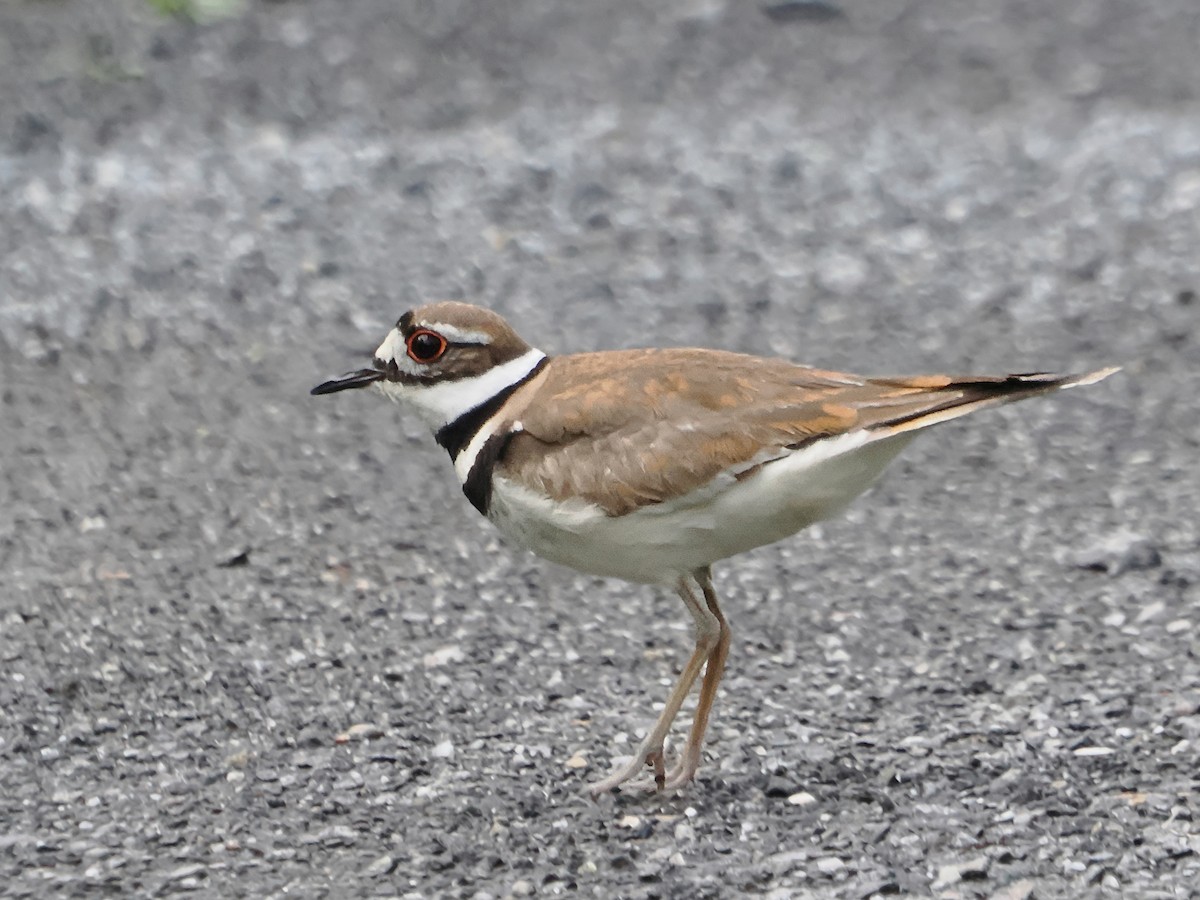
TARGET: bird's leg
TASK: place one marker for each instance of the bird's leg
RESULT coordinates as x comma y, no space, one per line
650,753
685,769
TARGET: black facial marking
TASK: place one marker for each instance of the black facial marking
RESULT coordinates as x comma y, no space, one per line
478,485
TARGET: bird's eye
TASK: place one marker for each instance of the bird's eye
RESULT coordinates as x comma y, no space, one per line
425,346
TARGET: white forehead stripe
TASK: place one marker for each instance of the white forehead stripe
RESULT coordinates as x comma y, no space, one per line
392,347
445,401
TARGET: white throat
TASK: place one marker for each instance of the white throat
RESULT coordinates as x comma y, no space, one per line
445,401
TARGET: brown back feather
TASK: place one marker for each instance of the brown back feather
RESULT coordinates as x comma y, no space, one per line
626,429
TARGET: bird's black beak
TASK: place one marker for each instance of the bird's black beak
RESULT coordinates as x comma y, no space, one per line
359,379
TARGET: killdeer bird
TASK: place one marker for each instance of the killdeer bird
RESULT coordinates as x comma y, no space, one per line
651,465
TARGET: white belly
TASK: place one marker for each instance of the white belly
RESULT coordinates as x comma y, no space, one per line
660,543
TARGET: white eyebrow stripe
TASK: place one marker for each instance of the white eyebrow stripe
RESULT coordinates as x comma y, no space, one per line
456,335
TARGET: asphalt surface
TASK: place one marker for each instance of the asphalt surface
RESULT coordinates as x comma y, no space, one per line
255,643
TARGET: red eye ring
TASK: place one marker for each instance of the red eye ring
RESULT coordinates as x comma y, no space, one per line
425,346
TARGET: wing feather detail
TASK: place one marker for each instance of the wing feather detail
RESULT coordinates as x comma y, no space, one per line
627,429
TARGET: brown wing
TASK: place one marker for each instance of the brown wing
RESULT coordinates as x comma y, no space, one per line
626,429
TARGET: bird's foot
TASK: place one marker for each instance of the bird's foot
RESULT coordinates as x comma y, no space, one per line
647,757
681,774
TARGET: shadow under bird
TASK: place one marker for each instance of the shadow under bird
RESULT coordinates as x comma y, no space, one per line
651,465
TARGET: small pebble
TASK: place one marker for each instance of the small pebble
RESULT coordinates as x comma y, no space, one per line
381,866
1018,890
1151,611
802,11
183,872
363,730
443,656
830,865
953,873
1119,552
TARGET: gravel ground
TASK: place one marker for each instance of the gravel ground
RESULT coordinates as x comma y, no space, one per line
255,643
